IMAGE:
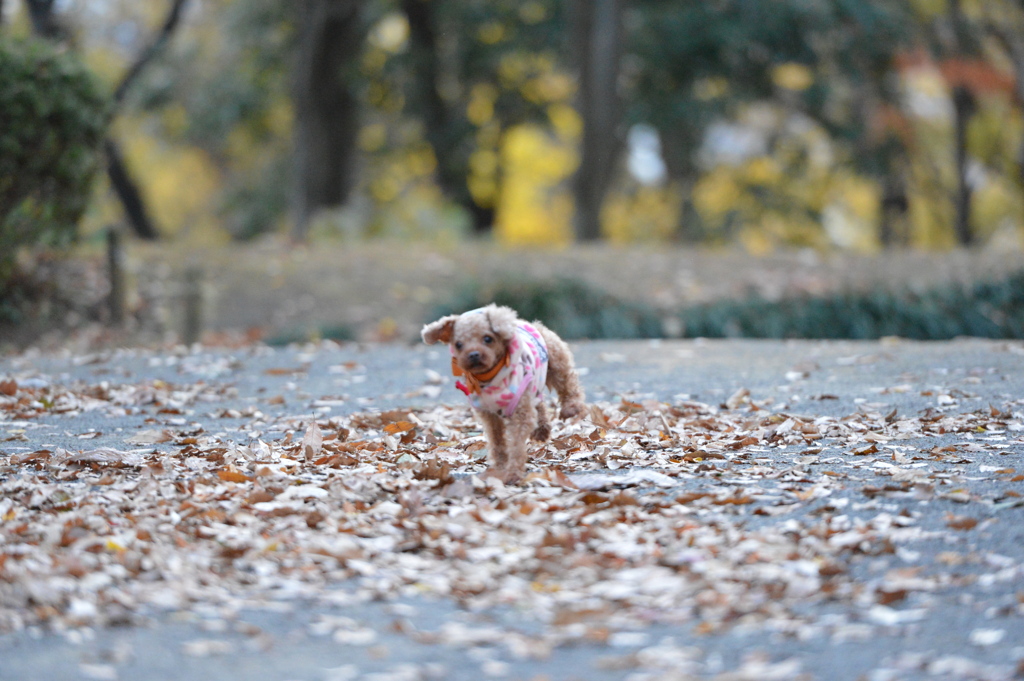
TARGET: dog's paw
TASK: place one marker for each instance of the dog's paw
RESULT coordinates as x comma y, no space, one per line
493,472
542,433
572,410
507,477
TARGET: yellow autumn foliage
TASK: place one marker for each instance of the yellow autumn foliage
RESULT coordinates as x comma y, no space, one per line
485,166
718,193
792,76
373,137
549,87
997,206
492,33
644,215
763,170
179,182
532,12
391,33
480,108
851,212
106,62
565,121
706,89
535,206
773,201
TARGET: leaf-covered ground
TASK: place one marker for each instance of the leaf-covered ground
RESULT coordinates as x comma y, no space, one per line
733,515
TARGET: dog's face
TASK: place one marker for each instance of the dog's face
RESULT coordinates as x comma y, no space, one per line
479,338
476,346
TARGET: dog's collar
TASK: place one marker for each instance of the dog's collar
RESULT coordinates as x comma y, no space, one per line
476,379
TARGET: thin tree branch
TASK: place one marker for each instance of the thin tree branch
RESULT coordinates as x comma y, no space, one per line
149,53
120,177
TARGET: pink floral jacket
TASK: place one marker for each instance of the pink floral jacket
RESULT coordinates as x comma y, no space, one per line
525,374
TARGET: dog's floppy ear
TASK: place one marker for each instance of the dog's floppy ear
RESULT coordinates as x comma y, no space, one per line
441,330
503,320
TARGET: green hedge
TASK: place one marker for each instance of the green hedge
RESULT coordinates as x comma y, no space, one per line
989,310
53,115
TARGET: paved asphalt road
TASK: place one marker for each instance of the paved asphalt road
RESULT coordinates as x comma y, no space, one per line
975,629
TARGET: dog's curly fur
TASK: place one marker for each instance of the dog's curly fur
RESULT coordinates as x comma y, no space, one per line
479,342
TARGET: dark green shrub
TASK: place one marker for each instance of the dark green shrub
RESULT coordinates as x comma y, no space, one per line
575,310
335,332
53,116
987,310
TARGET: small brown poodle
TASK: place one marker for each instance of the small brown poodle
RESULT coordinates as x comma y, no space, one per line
507,364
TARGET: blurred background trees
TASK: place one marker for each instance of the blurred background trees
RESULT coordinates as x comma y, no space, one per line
854,124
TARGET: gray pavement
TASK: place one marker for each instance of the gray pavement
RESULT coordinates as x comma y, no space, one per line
967,625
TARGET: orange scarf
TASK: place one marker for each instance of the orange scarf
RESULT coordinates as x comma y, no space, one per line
475,379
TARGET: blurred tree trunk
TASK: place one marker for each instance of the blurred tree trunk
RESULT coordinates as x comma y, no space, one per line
881,154
326,108
960,43
128,192
597,42
893,228
444,122
963,108
44,20
676,152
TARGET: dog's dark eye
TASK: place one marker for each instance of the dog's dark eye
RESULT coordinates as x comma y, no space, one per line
488,340
458,345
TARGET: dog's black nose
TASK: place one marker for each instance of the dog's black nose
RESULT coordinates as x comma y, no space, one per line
473,357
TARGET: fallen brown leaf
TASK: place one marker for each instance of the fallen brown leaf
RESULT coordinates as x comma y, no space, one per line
232,474
959,522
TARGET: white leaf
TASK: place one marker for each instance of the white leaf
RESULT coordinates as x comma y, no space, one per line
312,441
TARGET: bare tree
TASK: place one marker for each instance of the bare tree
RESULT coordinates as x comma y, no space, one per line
326,108
964,105
597,33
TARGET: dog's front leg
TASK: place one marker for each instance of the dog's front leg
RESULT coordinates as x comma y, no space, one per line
518,429
494,431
